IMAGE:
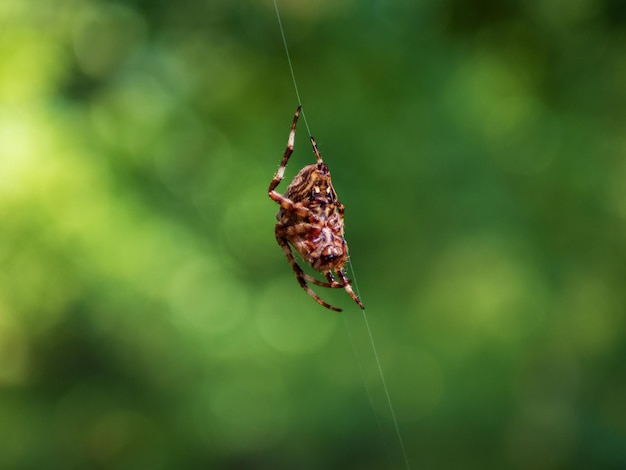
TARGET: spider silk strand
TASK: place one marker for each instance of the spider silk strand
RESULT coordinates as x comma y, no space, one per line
367,390
382,378
369,331
380,370
293,75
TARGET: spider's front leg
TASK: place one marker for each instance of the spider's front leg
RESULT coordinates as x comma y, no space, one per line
288,151
284,202
298,208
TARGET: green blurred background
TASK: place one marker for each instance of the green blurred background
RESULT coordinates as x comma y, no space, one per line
148,319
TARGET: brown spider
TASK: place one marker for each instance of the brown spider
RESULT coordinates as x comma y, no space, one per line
310,218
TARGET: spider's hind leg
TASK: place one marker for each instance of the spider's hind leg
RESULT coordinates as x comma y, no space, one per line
346,284
301,277
317,282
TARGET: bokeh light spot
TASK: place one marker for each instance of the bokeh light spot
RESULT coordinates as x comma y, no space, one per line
249,410
203,299
487,288
289,325
106,35
14,350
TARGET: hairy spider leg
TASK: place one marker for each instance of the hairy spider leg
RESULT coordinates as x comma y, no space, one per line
286,203
283,164
348,287
300,275
316,151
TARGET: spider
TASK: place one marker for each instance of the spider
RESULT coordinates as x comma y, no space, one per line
310,219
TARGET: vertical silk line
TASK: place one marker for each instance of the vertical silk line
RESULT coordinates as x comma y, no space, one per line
293,75
382,378
367,390
380,372
369,331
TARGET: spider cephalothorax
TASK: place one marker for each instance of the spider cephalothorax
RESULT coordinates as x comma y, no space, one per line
311,220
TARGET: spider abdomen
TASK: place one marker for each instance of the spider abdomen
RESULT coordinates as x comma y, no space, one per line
323,248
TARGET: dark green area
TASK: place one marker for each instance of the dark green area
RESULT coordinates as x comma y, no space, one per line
148,319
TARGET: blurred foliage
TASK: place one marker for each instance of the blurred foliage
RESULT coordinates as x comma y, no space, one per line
149,320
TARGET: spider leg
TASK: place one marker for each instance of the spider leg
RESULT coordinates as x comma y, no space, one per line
288,151
332,282
316,151
298,208
348,288
301,277
317,282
